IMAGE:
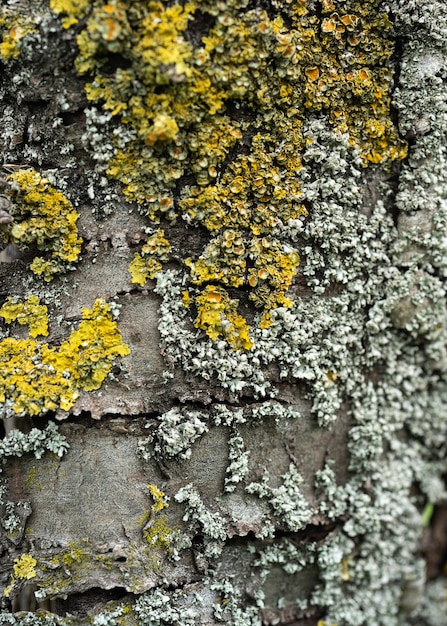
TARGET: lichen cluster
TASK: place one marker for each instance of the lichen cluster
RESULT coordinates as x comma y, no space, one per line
198,136
36,378
28,313
209,125
147,264
24,569
44,218
12,31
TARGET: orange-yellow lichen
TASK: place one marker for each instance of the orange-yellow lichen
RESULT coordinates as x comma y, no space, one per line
29,313
74,9
43,217
226,111
35,378
147,264
13,29
157,532
217,316
159,498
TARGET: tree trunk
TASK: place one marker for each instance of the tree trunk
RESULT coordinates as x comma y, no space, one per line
223,312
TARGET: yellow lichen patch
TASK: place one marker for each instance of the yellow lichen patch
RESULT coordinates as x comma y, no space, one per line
226,111
147,264
46,219
73,9
29,313
274,269
217,316
36,378
223,260
13,29
24,568
344,568
186,299
157,532
159,498
92,348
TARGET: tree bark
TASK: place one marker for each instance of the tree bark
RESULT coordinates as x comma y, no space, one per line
223,312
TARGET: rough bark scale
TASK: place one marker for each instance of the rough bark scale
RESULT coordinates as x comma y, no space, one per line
277,463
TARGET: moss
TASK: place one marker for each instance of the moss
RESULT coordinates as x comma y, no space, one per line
228,112
43,217
29,313
13,29
31,479
36,378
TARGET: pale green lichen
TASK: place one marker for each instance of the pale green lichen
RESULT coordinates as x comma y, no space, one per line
159,607
176,432
37,378
36,442
211,523
237,469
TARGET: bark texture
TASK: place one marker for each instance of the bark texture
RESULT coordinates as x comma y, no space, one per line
223,364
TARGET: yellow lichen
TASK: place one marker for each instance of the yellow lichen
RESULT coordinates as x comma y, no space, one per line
74,9
226,112
157,532
345,565
35,378
159,498
29,313
13,29
147,264
43,217
24,568
217,316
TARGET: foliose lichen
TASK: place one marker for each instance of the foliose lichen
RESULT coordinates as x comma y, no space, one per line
13,29
45,218
36,442
211,127
24,568
29,313
36,378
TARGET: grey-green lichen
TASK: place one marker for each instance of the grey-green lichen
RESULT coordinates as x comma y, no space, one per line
175,433
210,522
36,442
238,457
